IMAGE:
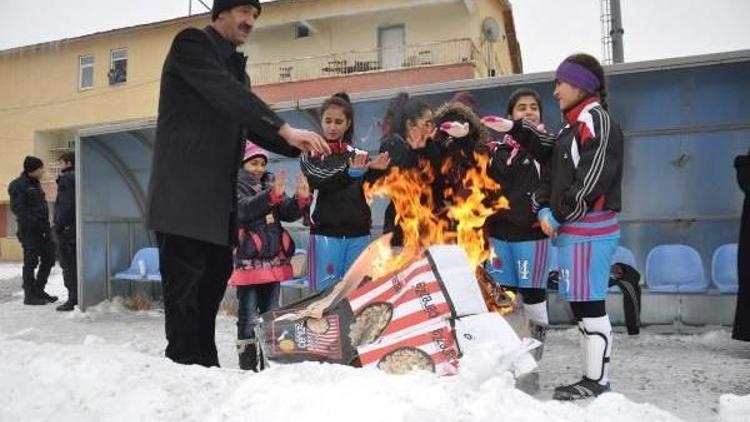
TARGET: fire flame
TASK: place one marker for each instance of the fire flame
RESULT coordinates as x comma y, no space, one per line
467,207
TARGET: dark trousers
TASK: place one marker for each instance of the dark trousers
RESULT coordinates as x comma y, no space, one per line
254,301
38,249
741,328
194,277
66,248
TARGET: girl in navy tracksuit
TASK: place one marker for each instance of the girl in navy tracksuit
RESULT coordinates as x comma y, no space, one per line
520,246
341,220
578,201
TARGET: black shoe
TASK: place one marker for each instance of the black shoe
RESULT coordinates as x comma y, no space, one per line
50,299
583,389
66,307
248,355
32,299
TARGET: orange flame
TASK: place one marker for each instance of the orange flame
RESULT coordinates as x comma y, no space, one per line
469,205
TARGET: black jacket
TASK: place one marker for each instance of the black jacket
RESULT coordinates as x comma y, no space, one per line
741,328
205,108
340,207
65,204
585,163
404,157
29,204
518,174
261,213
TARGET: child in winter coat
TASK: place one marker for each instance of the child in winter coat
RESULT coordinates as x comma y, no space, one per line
341,219
578,201
262,257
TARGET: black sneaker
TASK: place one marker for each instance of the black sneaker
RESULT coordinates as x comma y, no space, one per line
66,307
583,389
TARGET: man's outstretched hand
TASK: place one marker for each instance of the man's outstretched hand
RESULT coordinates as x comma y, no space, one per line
305,140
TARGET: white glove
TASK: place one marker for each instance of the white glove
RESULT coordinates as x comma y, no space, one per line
497,123
455,129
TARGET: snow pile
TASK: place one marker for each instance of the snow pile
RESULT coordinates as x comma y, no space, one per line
97,381
734,408
107,365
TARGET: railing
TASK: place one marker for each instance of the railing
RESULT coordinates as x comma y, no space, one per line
341,64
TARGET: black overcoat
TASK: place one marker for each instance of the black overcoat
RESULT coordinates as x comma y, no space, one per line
206,108
741,330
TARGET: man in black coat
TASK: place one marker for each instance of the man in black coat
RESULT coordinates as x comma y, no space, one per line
65,228
206,108
741,330
28,203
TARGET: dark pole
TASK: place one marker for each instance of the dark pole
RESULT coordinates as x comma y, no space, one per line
617,32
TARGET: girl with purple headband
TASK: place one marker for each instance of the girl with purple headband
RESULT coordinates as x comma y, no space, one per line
578,199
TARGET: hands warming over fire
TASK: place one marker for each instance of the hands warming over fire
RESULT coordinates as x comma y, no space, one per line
455,129
381,162
279,183
497,123
360,161
417,136
303,188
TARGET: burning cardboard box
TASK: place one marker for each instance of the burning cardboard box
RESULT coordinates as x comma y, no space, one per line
419,316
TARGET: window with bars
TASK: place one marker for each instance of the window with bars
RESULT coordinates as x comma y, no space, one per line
301,31
118,67
85,72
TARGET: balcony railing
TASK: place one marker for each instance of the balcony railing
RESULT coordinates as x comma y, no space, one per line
379,59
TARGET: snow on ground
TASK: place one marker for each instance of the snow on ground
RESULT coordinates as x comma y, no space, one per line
107,364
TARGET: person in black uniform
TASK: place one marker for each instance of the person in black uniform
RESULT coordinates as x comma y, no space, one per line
741,330
65,228
28,203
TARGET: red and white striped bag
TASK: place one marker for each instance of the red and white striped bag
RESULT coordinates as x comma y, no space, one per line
431,347
436,287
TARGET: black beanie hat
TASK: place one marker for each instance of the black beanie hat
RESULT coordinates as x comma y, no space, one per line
31,163
222,5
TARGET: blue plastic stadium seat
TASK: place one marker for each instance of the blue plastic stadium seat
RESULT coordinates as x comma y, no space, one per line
724,268
150,258
301,281
623,255
675,269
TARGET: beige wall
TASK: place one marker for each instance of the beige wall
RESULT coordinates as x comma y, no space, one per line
41,106
360,32
340,30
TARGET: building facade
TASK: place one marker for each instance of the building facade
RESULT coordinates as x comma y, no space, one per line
300,49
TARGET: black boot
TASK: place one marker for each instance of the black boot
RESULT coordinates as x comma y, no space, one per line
66,307
47,297
30,298
248,354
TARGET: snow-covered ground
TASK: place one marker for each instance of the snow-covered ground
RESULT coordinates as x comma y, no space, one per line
107,364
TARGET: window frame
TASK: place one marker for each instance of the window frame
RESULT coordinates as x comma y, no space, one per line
296,34
82,66
112,62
